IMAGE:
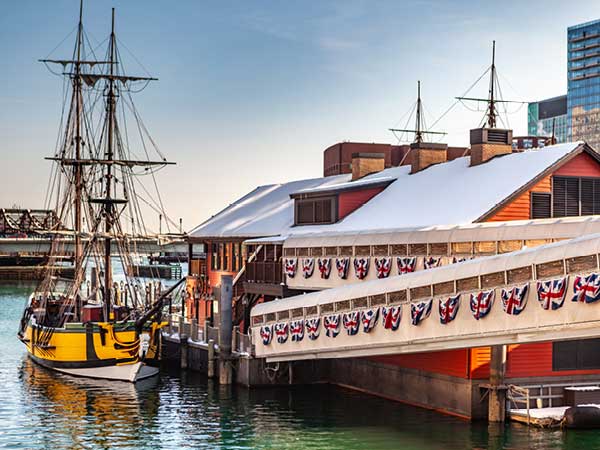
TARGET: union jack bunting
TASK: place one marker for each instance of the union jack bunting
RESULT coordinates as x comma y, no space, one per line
324,267
282,331
369,319
448,309
361,267
266,334
351,322
312,328
481,303
514,300
586,288
406,265
291,264
342,264
431,262
420,311
391,317
551,293
332,325
308,267
383,266
297,330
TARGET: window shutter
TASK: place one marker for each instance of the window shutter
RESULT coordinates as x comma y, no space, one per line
587,196
559,202
540,205
572,197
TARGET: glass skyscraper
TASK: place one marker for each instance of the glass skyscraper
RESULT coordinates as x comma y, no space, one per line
548,116
583,95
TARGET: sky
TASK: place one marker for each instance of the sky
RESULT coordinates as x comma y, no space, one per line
251,92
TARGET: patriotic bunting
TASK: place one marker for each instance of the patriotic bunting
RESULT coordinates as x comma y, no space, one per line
514,300
431,262
312,328
351,322
324,267
459,260
297,330
332,325
551,293
383,266
342,264
266,334
290,267
282,332
406,265
586,288
481,303
308,267
420,311
391,317
448,309
361,267
369,319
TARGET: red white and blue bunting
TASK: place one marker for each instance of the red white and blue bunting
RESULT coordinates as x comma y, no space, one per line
383,266
431,262
351,322
297,330
481,303
369,318
308,267
391,317
342,265
266,334
313,328
361,267
586,288
291,264
332,325
406,265
282,332
514,300
551,293
324,267
420,311
448,308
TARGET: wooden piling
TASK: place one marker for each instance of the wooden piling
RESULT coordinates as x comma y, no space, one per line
183,346
225,329
211,358
497,390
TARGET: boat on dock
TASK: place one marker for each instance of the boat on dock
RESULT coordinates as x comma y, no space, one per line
105,327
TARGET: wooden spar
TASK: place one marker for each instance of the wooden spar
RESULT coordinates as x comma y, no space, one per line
78,141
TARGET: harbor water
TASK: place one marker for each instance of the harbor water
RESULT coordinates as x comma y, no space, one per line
40,409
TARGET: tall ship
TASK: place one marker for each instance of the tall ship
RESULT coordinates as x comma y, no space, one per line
103,322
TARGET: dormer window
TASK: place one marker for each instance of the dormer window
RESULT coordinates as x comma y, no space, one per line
315,211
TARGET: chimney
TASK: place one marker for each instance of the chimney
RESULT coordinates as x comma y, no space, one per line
486,143
364,164
425,154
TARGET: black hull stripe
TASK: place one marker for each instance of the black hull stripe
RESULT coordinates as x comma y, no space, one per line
82,364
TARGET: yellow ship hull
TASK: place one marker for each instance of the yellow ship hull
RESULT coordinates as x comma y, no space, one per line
104,350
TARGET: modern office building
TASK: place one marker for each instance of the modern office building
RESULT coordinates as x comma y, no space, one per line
583,95
548,117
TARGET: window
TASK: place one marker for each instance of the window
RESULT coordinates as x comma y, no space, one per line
576,355
541,204
220,257
573,196
214,256
315,211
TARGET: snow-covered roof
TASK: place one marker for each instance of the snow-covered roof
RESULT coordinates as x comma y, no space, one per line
362,183
266,211
448,193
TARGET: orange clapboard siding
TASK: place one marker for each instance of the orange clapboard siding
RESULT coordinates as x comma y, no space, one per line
351,201
520,208
479,359
447,362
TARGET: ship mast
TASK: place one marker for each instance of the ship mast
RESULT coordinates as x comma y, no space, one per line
492,103
77,168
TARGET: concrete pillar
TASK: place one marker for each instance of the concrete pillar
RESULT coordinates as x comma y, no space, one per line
225,329
183,348
497,396
211,359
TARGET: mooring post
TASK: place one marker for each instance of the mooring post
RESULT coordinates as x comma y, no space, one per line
211,359
225,329
497,391
183,348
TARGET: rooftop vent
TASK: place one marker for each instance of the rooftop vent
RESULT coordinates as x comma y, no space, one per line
425,154
364,164
487,143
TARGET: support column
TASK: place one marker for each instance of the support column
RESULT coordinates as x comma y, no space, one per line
183,348
225,329
497,391
211,359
